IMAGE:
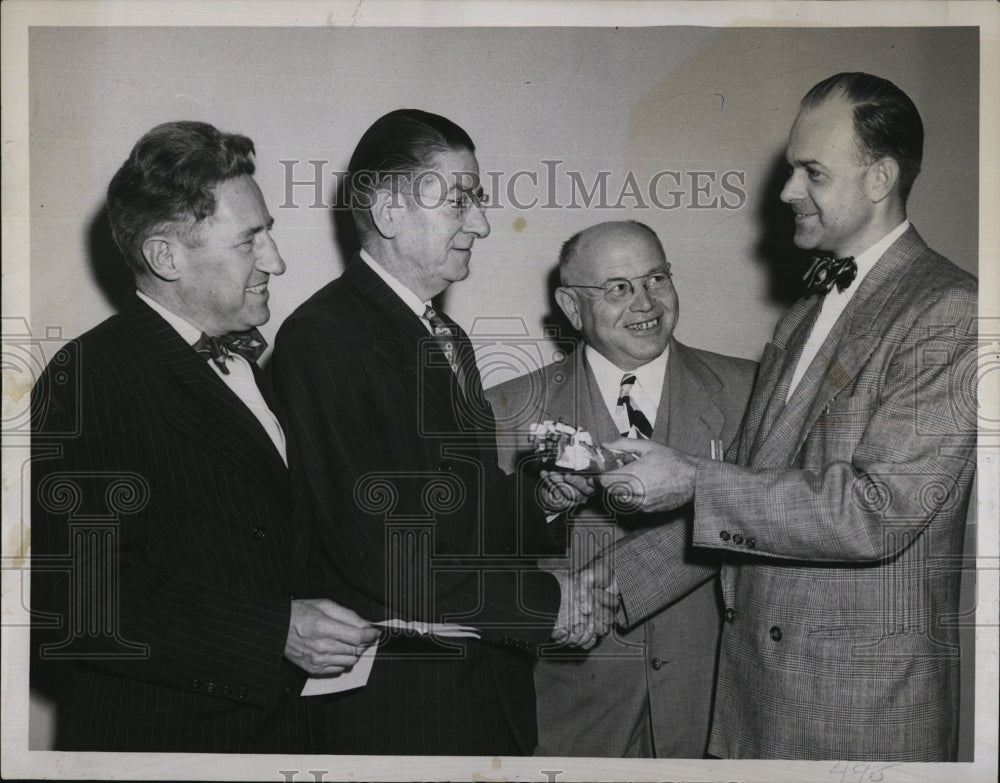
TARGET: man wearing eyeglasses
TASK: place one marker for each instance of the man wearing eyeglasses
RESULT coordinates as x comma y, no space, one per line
647,691
393,449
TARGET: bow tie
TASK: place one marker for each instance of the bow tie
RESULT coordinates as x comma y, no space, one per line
826,270
250,345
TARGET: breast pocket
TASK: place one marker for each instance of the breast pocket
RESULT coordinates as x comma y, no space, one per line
838,430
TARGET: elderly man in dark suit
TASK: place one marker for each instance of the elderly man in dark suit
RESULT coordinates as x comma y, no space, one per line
393,447
844,514
646,691
162,507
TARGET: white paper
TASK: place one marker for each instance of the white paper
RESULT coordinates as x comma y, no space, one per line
357,675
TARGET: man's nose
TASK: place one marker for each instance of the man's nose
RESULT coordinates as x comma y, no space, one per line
793,190
476,222
641,300
270,259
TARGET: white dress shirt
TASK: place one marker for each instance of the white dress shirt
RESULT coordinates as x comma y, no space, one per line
240,378
409,298
835,302
646,393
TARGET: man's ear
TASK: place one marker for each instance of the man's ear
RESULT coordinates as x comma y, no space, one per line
882,178
159,254
566,299
386,211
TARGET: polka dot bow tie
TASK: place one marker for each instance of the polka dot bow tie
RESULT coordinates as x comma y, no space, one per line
827,271
250,345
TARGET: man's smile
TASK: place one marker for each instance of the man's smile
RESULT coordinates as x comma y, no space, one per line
644,326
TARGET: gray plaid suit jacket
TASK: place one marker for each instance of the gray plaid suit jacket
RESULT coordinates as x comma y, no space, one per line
843,521
647,691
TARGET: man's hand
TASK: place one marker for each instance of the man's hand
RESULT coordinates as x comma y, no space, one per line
325,637
587,608
661,479
562,491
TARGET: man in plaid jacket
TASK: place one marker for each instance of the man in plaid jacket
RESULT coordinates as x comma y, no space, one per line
845,511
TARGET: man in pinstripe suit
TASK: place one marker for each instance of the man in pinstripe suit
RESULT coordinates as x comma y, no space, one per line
393,447
843,517
162,534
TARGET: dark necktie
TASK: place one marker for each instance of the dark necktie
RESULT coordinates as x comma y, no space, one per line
827,271
250,345
447,335
636,418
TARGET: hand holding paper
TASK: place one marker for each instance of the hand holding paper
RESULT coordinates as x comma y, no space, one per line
326,638
357,677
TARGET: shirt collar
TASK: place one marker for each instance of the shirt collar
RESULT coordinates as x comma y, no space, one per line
188,332
867,259
409,298
648,378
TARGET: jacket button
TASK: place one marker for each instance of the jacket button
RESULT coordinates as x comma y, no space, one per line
209,687
195,684
776,633
730,615
751,544
737,539
241,693
656,663
260,533
724,535
445,467
226,690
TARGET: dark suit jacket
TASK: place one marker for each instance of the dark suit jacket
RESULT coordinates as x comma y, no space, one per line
844,523
162,545
416,521
655,682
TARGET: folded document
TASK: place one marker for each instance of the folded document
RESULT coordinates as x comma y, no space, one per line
357,675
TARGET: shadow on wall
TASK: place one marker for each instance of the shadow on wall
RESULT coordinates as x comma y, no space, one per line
554,322
784,264
111,274
345,235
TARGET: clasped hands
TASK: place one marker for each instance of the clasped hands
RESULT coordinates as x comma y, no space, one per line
660,479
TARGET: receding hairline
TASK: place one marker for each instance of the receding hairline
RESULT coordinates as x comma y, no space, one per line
573,246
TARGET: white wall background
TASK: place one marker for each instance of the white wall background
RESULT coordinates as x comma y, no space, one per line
617,100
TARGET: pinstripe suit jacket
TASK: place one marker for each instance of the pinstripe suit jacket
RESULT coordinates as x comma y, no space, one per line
157,486
656,679
416,521
843,520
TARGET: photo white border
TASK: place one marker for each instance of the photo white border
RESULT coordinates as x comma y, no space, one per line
18,15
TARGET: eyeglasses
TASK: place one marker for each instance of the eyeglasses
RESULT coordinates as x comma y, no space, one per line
620,289
462,202
467,199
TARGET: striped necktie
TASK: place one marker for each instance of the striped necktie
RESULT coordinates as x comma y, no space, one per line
447,336
637,420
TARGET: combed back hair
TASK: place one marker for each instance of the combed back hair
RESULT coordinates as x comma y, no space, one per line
569,248
886,122
168,181
402,142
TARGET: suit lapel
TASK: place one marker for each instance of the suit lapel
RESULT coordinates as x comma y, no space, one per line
402,341
603,426
689,418
841,356
206,410
772,405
